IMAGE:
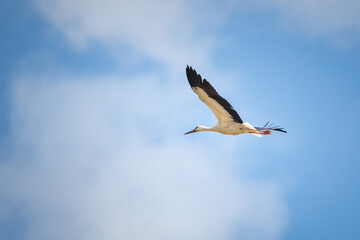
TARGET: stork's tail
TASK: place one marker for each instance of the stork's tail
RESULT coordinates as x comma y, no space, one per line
267,128
252,129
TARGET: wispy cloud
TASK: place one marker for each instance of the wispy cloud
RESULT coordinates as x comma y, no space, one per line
174,32
88,163
169,32
335,20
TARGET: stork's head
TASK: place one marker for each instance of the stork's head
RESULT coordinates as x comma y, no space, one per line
196,129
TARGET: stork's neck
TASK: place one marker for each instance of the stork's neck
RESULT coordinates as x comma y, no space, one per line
204,129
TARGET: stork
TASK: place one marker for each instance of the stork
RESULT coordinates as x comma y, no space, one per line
229,121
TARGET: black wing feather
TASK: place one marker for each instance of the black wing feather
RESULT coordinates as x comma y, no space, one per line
195,80
270,127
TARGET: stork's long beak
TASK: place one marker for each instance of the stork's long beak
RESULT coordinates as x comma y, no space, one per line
192,131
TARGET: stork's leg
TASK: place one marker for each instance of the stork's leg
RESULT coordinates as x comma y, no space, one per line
264,132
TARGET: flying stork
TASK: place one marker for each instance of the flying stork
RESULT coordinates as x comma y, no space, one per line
229,121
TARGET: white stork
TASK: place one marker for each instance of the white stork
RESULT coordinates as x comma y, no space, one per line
229,121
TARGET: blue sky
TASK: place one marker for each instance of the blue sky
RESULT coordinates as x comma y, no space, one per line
94,102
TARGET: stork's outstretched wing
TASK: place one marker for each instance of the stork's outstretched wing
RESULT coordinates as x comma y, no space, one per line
218,105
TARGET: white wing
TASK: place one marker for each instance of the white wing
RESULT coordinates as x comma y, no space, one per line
221,108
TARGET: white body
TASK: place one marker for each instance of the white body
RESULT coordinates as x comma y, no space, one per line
226,124
230,128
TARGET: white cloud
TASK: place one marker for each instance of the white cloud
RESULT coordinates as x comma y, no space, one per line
323,16
174,32
167,31
334,20
92,161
